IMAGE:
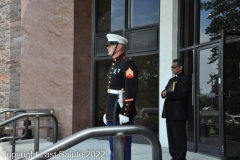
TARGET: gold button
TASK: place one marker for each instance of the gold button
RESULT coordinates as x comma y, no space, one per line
126,104
109,77
125,108
109,82
124,114
113,64
110,72
115,59
112,67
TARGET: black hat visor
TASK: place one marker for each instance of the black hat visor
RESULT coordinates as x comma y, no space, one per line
111,42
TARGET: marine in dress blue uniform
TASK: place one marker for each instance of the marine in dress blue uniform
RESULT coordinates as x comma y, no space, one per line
122,87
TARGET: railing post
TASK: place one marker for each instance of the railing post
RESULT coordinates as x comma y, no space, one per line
14,135
55,130
25,131
36,134
118,146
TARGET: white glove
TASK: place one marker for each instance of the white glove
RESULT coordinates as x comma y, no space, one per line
123,119
104,119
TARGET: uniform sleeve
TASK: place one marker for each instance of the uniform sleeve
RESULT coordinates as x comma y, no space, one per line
130,74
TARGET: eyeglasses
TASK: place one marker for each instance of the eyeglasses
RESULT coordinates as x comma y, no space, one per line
174,67
111,43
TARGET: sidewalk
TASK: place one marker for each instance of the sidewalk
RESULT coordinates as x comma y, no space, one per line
91,149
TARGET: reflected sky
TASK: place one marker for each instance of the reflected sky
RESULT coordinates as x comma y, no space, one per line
205,70
223,15
117,15
204,23
141,13
144,12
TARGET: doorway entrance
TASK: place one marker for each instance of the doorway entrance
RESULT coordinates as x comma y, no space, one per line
208,112
231,94
217,98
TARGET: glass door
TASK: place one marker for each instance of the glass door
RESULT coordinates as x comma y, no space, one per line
231,94
188,57
207,105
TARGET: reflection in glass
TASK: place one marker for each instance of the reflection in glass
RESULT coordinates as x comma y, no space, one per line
187,23
204,22
207,97
232,108
117,15
110,15
187,57
101,90
103,16
144,12
147,99
148,92
218,15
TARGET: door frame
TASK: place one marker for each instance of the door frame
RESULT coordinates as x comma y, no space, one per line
221,99
222,88
193,146
196,146
203,148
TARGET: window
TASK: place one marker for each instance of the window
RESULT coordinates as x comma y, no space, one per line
147,101
138,21
187,23
143,12
207,20
111,13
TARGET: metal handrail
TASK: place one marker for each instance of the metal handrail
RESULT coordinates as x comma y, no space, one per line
14,127
37,115
102,132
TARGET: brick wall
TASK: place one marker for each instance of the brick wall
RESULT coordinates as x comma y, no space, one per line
10,52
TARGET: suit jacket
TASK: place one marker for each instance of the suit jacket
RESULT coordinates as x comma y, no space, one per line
176,102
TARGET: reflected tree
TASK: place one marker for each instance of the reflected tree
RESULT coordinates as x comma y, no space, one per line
148,91
224,14
148,68
202,98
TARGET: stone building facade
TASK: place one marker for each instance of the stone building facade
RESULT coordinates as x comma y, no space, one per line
51,41
10,53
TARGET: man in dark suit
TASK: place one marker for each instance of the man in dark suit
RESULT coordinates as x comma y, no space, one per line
175,110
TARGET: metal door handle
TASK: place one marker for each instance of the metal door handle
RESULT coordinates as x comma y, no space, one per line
232,93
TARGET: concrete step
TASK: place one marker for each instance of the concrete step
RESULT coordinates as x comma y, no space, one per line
22,147
89,150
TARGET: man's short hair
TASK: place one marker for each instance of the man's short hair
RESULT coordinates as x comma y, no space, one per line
179,62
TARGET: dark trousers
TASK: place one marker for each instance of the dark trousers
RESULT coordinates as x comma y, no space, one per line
127,141
177,139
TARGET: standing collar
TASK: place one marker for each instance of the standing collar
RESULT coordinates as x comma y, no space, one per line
178,75
119,57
